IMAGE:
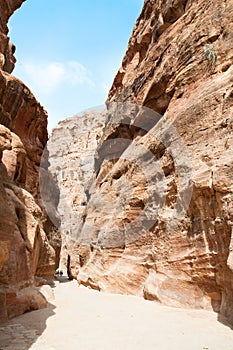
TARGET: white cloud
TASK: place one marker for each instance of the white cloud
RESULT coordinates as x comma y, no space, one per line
77,74
47,77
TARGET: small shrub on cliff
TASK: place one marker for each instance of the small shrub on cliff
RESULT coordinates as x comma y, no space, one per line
210,54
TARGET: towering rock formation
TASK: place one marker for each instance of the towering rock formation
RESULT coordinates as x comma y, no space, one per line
71,148
162,227
25,251
7,49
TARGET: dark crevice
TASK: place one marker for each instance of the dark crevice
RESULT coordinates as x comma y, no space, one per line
121,138
17,172
168,16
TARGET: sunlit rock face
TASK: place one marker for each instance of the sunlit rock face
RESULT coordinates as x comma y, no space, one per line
72,148
179,65
25,251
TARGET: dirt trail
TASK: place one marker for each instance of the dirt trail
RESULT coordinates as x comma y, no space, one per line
79,318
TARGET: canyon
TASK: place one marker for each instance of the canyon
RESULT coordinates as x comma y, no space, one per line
141,192
155,220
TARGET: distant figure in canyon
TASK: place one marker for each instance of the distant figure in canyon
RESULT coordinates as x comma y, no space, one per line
69,274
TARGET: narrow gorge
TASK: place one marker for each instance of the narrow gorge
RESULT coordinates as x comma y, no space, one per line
137,198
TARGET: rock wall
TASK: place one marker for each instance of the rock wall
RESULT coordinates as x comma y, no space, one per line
178,64
7,49
72,148
25,251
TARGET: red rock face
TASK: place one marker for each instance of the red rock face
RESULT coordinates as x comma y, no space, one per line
178,64
25,251
7,49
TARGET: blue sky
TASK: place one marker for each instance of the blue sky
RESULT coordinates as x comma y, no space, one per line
68,52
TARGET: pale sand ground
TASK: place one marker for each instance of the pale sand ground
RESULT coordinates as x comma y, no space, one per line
83,319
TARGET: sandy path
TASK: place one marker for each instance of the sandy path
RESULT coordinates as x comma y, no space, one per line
88,320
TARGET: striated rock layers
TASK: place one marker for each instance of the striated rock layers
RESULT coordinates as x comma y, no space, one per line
72,148
25,251
162,227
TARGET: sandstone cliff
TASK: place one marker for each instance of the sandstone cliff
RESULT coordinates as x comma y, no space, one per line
7,49
72,148
162,227
25,251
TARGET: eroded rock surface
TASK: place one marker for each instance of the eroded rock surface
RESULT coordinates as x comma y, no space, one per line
72,149
7,49
25,251
178,64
